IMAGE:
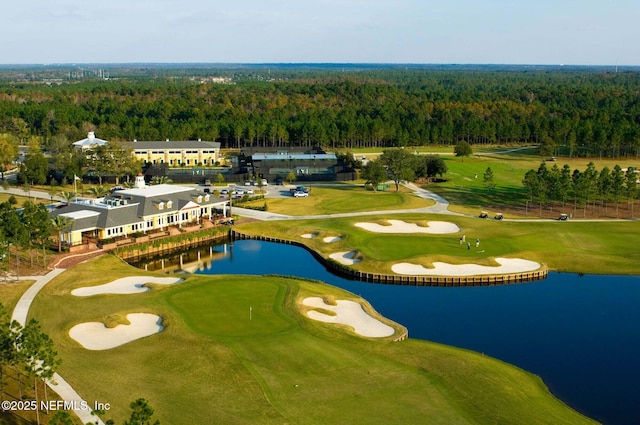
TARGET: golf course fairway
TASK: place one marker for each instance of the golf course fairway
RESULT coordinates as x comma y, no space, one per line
241,350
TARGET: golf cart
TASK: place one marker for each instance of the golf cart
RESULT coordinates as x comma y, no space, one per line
563,217
484,214
498,216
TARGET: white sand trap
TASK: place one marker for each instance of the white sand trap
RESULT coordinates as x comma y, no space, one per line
348,313
345,258
399,226
330,239
96,336
125,285
507,265
309,235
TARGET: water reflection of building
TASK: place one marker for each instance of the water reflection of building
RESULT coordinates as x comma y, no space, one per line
189,261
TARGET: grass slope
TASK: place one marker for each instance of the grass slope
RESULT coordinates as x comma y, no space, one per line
214,364
467,194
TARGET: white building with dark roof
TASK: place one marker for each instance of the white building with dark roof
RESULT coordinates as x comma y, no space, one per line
138,210
90,142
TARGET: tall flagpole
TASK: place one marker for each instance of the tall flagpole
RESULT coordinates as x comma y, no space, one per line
75,190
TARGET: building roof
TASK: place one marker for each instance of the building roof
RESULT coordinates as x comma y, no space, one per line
89,142
155,190
175,144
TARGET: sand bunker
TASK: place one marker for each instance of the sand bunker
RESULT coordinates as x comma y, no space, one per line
507,265
346,258
96,336
399,226
125,285
348,313
330,239
309,235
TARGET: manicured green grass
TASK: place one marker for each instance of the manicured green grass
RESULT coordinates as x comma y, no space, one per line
213,364
4,197
344,199
368,152
11,291
467,194
573,246
226,309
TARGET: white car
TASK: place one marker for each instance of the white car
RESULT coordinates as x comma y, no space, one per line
300,194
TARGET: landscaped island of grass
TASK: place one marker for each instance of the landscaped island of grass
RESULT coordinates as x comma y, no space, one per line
573,246
239,349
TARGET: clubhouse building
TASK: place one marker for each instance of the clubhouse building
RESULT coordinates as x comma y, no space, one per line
140,210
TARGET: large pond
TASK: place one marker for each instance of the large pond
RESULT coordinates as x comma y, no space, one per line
581,334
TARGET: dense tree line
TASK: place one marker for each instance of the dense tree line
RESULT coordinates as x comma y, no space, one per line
582,113
25,230
29,352
582,187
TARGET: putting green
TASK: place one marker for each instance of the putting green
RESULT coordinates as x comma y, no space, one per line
232,308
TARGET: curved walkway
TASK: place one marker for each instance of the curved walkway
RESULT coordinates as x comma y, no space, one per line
57,384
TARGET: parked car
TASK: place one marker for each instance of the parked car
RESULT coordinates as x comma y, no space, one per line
247,183
298,189
300,194
224,192
249,191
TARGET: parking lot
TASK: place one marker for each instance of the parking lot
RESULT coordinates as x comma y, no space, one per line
271,191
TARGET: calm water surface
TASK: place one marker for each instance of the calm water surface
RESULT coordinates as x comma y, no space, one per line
581,334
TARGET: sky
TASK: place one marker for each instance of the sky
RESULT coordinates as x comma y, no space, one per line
553,32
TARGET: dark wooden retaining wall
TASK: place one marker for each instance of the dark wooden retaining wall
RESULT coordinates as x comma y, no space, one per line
137,252
393,279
